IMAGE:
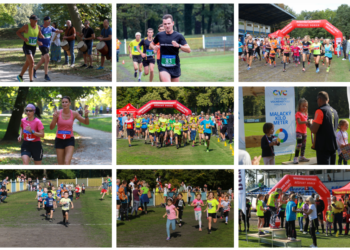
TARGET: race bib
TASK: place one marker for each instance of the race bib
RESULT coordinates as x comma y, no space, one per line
198,204
66,205
316,48
47,35
50,203
180,203
28,136
168,61
185,127
62,134
250,46
168,211
157,127
210,205
137,124
149,53
177,127
163,124
32,41
40,199
193,126
151,127
129,126
207,125
225,208
135,49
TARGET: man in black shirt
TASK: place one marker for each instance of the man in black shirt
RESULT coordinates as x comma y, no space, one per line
170,42
3,194
230,125
147,54
319,208
87,35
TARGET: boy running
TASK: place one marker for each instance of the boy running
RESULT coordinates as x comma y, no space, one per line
49,205
77,192
207,130
180,205
65,208
104,188
38,197
226,208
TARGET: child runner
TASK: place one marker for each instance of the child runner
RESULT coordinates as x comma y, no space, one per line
38,197
83,188
65,202
342,140
77,192
177,132
58,195
54,195
260,213
144,196
193,127
180,205
43,197
273,57
301,131
104,188
70,193
197,204
329,218
295,50
267,143
328,48
207,130
49,205
226,208
286,50
316,47
172,215
212,208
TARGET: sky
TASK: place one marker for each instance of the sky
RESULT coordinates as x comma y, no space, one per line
310,5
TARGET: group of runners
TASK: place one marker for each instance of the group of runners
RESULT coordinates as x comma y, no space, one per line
165,46
164,130
33,34
32,130
298,50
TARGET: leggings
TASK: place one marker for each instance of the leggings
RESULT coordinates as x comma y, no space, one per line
244,218
329,225
198,216
77,195
282,218
181,211
145,206
83,191
168,222
267,216
306,226
301,144
313,226
291,229
135,207
123,211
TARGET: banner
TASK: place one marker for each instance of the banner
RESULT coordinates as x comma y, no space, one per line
241,144
280,111
348,91
241,190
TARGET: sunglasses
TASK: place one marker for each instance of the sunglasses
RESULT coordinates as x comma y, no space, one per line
29,110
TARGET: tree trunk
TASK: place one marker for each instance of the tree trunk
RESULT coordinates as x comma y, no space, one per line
76,22
203,28
40,105
44,173
211,8
125,29
15,120
146,22
188,18
197,27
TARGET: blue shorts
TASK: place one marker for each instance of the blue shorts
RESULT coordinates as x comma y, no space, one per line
193,135
89,50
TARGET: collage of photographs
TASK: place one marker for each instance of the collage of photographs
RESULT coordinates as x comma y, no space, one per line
148,152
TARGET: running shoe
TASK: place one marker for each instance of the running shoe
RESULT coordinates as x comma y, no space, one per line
303,159
177,146
99,68
317,70
295,160
139,80
20,78
83,66
192,145
90,67
304,232
323,64
328,69
50,220
284,70
303,69
248,68
308,62
47,78
34,73
317,232
207,150
129,145
205,144
168,238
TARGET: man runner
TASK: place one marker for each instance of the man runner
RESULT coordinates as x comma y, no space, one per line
170,43
31,32
207,131
147,54
135,55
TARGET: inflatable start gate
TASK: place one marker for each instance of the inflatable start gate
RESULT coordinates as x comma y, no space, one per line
305,181
338,35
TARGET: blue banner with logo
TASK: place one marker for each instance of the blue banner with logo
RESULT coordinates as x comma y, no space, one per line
280,111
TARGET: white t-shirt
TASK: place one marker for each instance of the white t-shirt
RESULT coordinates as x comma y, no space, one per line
132,186
342,138
313,215
165,190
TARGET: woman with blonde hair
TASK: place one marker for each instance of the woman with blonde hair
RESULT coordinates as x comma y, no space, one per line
312,213
260,213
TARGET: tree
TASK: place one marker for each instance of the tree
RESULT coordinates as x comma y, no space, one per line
188,18
7,12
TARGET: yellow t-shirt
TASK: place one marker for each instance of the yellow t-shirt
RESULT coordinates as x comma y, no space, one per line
65,206
133,44
338,204
212,206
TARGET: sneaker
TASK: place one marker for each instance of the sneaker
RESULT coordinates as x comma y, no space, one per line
248,68
317,232
312,246
328,69
337,235
135,74
317,70
343,59
50,220
292,239
301,230
47,78
99,68
326,234
72,65
168,238
304,232
295,161
129,145
139,80
34,73
90,67
83,66
303,159
20,78
207,150
303,69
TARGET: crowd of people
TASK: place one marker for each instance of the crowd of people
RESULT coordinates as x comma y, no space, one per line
292,50
134,196
310,213
162,130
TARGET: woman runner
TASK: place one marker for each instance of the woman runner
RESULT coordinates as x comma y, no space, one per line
316,47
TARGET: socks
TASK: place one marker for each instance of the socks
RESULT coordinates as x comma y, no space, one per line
226,218
284,65
64,220
303,64
140,74
316,65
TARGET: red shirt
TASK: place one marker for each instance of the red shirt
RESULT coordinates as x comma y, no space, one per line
130,124
301,128
77,189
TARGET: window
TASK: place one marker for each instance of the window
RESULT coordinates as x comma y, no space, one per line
249,25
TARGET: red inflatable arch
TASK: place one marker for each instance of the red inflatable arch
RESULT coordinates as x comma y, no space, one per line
338,35
163,104
305,181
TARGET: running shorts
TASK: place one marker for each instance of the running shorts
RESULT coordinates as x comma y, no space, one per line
156,134
130,132
103,191
251,52
207,134
212,215
306,52
147,62
29,50
226,213
63,143
64,212
286,54
144,129
158,61
48,209
152,134
316,55
44,50
119,202
33,149
162,133
322,54
177,135
174,72
261,216
138,129
320,217
329,58
240,53
272,59
137,58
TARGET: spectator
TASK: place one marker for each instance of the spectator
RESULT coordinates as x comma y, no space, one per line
3,194
44,180
337,208
311,212
4,182
319,208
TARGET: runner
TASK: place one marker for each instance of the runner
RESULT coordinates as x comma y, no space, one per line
118,47
31,32
316,47
64,141
273,43
138,122
106,36
170,44
207,130
177,132
286,51
185,127
87,35
306,52
157,47
145,122
109,184
135,55
328,54
32,130
212,208
65,208
147,54
130,128
250,49
163,126
151,131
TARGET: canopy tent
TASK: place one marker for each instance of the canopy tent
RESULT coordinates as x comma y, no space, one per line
129,109
342,190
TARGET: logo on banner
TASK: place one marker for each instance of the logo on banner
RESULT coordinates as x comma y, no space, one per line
279,92
282,135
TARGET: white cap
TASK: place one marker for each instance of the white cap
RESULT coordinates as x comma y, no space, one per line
138,33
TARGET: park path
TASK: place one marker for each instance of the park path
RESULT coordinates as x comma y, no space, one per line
9,73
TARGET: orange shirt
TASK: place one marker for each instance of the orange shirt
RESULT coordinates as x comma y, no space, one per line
318,117
272,53
273,43
118,44
158,53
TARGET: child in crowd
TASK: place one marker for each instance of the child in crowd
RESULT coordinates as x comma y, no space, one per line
49,200
77,192
329,221
301,131
58,195
172,214
54,196
225,205
43,197
273,57
180,205
104,187
268,141
83,188
197,204
212,208
38,197
342,140
70,193
66,202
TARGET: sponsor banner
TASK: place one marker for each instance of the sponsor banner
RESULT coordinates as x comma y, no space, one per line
241,144
241,190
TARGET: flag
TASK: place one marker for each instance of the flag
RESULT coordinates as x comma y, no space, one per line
241,190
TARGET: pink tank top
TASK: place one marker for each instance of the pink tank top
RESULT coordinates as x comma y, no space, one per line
65,125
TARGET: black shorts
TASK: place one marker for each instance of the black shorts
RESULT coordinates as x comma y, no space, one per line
329,58
286,54
207,134
227,213
161,133
147,62
320,217
240,53
174,72
223,129
119,202
251,52
64,212
137,58
156,134
33,149
178,135
151,134
130,132
44,50
262,216
48,209
144,129
322,54
272,59
316,55
29,50
138,129
158,61
212,215
63,143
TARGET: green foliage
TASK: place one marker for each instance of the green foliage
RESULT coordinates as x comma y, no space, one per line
7,12
103,97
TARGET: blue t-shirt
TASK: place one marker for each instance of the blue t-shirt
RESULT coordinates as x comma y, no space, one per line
290,215
117,192
58,192
224,120
47,32
120,121
239,45
49,202
205,122
146,121
44,196
328,52
105,33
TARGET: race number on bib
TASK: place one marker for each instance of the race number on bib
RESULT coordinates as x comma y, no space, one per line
129,126
180,203
135,49
168,61
32,41
198,204
168,211
151,127
28,136
210,205
62,134
138,124
250,46
157,127
149,53
47,35
177,127
207,125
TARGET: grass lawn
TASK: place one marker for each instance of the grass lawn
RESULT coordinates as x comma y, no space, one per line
144,154
104,124
152,228
195,67
90,216
306,241
256,129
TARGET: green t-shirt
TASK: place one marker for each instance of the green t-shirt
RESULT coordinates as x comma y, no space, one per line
151,128
163,124
317,48
171,123
259,211
157,127
65,206
212,206
177,128
272,198
144,190
185,126
168,127
138,123
329,216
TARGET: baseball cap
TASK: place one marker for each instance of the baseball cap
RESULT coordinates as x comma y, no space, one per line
138,33
47,18
34,17
229,111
